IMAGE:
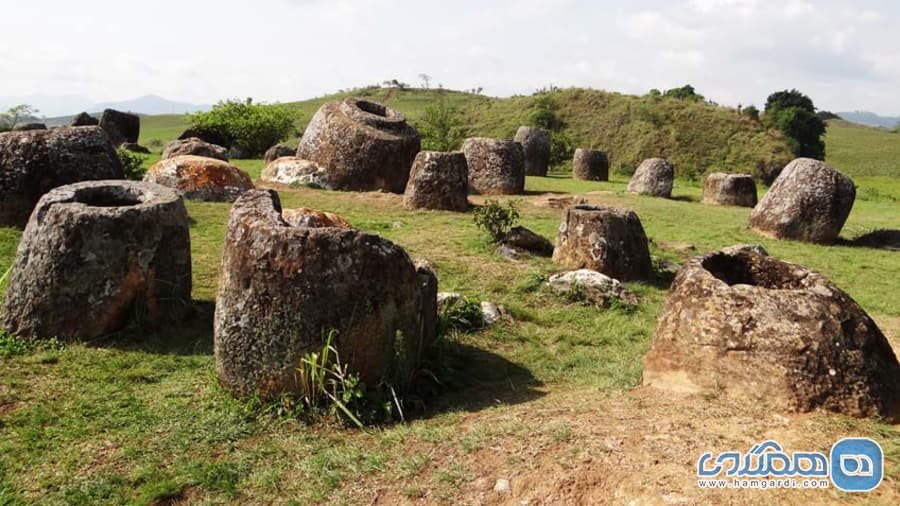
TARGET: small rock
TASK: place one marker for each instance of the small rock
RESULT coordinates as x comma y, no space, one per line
502,486
493,313
564,202
524,239
750,248
598,288
291,170
507,252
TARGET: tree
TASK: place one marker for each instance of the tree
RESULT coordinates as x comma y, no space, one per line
14,115
751,112
251,127
442,126
794,115
686,92
426,79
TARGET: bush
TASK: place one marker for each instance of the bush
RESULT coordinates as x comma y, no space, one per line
461,315
156,144
496,219
442,126
132,164
251,127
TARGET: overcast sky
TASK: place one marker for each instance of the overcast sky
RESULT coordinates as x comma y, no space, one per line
844,54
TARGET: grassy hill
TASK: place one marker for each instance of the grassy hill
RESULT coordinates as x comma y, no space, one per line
862,151
696,136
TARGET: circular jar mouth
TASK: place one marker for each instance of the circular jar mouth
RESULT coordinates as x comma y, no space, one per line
109,196
753,270
373,114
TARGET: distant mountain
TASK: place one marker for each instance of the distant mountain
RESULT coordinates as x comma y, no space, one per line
150,104
870,119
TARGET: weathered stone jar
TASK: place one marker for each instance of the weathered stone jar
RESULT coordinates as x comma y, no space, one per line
605,239
363,145
809,201
496,167
97,255
121,126
196,147
438,181
34,162
729,190
284,288
200,178
536,146
759,326
654,177
590,165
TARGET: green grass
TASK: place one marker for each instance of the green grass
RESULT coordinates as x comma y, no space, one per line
861,151
143,420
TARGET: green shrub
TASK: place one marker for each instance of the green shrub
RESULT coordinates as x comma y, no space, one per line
461,315
132,164
442,126
496,219
251,127
156,144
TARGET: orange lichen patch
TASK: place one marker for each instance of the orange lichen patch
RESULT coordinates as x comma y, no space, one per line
198,172
305,217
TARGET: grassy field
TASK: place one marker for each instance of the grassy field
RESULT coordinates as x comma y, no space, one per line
862,151
548,401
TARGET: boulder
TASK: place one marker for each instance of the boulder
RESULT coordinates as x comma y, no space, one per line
592,287
134,148
496,167
758,326
590,165
200,178
196,147
363,145
306,217
524,239
294,171
120,126
428,302
605,239
208,136
34,162
729,190
283,289
654,177
25,127
438,181
277,151
809,201
84,119
536,147
97,256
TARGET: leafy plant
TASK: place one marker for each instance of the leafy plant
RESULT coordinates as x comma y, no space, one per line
496,219
442,126
250,127
462,315
327,385
132,164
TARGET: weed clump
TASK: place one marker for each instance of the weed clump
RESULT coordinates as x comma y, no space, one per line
496,219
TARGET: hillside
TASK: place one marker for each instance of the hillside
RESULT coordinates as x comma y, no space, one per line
862,151
697,137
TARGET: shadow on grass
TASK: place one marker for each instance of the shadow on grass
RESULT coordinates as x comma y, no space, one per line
684,198
473,379
887,239
194,336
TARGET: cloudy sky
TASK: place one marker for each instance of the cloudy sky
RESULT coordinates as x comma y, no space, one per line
844,54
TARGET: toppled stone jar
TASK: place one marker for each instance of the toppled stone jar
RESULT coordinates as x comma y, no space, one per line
809,201
363,145
285,288
438,181
200,178
759,326
605,239
496,166
97,256
34,162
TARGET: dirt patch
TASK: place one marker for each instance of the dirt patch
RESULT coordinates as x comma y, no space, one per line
637,447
